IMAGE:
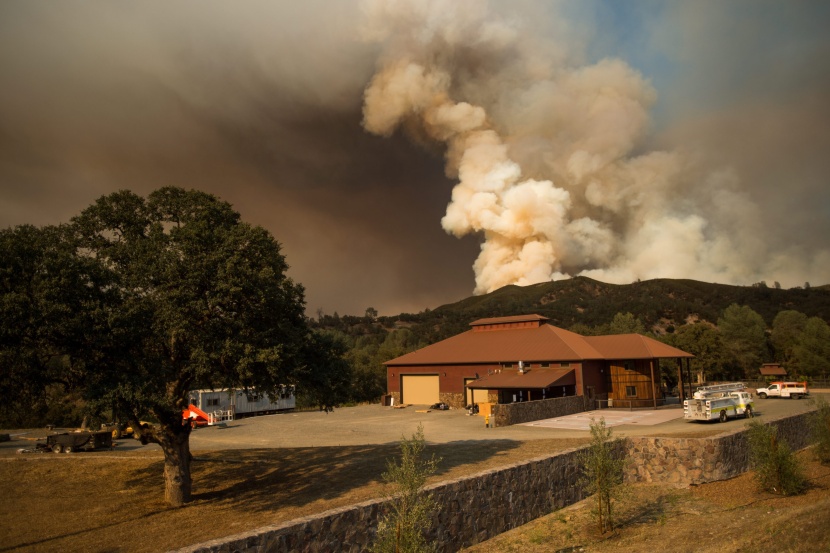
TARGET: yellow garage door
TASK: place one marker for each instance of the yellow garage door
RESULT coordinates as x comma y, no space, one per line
419,389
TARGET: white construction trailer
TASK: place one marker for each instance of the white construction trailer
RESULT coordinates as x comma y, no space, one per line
235,403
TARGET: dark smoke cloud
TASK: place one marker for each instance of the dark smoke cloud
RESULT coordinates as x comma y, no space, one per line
258,103
261,104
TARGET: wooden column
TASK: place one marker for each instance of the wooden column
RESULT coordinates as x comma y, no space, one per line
653,385
680,387
689,375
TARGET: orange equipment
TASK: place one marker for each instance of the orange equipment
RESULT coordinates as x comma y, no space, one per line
196,416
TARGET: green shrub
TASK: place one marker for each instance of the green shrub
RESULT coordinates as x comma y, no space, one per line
777,470
603,465
403,529
820,425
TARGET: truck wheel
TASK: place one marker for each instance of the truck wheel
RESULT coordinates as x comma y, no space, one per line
748,414
762,395
796,396
68,449
722,417
57,448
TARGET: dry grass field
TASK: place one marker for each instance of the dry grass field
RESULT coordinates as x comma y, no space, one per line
113,501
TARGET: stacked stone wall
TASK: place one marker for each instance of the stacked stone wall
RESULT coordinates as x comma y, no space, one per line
454,400
476,508
472,509
506,414
688,461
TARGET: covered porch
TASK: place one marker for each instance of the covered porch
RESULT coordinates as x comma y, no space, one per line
520,385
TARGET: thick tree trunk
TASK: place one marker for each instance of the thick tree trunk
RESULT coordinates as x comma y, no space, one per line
177,479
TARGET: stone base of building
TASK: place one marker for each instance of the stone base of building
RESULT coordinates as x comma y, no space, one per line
455,401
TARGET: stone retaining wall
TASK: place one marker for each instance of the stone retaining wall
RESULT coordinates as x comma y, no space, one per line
476,508
688,461
473,509
506,414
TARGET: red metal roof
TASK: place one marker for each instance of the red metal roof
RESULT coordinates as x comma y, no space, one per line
532,378
545,343
507,320
633,346
773,369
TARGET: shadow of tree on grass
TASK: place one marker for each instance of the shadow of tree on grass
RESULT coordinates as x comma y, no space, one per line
273,479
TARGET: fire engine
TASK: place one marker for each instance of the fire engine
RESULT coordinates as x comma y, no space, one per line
718,402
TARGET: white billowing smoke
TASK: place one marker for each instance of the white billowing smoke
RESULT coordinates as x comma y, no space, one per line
546,154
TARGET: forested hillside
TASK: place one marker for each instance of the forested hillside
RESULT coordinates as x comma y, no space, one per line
660,304
685,313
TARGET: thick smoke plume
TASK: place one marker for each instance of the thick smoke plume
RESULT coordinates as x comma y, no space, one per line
549,156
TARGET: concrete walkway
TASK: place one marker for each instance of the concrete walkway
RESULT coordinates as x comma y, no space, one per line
582,421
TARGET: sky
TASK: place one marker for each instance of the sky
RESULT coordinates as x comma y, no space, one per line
410,153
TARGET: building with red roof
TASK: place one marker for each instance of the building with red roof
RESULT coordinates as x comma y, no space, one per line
772,369
522,358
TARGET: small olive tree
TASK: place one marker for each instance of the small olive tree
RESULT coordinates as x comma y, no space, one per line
403,529
777,470
603,466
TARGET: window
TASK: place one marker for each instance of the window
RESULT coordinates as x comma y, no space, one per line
565,364
507,365
628,365
544,365
214,402
631,391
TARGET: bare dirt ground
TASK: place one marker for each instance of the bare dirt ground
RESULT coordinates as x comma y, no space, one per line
266,470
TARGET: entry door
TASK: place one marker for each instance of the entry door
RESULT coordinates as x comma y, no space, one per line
474,396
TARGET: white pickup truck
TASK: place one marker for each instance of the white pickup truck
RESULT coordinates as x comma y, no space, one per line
794,390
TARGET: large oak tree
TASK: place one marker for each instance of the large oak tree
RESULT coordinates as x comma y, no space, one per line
203,301
139,300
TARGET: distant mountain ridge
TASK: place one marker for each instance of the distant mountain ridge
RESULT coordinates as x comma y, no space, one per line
661,304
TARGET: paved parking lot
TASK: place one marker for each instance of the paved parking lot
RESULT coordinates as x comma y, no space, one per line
375,424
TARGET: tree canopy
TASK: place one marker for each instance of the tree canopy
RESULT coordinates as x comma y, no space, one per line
626,323
811,354
743,332
786,330
51,307
206,295
704,341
